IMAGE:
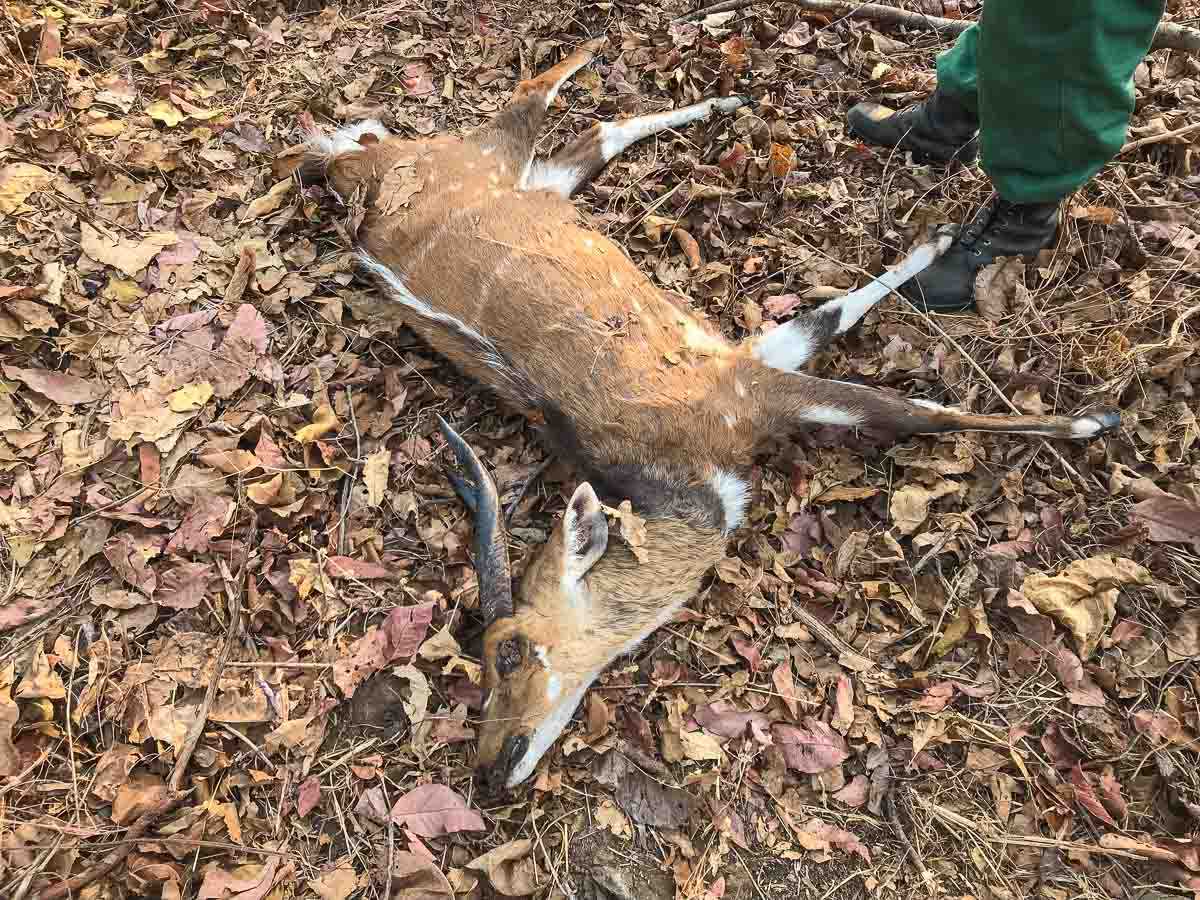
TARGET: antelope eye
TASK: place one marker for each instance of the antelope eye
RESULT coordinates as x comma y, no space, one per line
508,656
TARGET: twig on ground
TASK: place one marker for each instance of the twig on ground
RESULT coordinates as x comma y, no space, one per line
894,818
1168,37
1158,138
512,506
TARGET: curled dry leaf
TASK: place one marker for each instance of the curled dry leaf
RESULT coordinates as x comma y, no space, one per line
632,528
416,877
129,255
1083,597
909,506
509,868
17,181
138,795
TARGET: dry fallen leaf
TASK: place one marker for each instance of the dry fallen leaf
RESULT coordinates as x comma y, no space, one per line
337,883
130,256
812,749
1083,597
909,506
17,181
632,528
375,475
418,878
10,761
509,868
434,810
60,387
401,633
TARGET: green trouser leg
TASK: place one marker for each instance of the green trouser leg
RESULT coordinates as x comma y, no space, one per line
1052,82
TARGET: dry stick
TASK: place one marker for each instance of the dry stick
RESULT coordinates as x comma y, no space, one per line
174,796
1157,138
1168,37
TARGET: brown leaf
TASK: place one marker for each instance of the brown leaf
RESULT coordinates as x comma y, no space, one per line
509,868
855,793
130,256
1085,796
308,796
417,878
10,760
434,810
345,567
818,835
1083,597
1183,640
722,719
813,749
843,716
996,286
337,883
645,799
241,352
19,180
375,475
242,273
270,201
248,882
1170,520
61,387
632,528
113,770
139,794
400,635
40,680
909,506
785,685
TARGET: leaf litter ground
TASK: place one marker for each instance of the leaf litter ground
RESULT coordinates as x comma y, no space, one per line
957,666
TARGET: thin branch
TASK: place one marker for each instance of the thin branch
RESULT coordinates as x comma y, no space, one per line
1158,138
1168,37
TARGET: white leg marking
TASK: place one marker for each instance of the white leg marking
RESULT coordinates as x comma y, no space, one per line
616,136
346,139
786,347
735,496
821,414
1090,426
929,404
790,346
546,175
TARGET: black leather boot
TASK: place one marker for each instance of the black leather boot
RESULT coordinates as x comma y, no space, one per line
1000,229
938,129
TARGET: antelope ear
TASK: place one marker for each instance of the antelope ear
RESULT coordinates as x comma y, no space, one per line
585,532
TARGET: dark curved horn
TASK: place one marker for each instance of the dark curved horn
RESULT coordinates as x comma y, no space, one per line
478,492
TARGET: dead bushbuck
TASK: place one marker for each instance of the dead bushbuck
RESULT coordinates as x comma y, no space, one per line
494,268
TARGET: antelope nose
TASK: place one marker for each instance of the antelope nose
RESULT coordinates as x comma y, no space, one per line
496,775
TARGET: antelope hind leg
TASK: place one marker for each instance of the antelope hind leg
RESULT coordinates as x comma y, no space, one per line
578,162
514,130
792,399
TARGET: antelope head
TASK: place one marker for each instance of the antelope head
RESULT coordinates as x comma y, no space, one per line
540,655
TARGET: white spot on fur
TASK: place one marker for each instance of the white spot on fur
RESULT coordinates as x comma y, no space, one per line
546,175
739,388
785,348
735,496
730,419
821,414
553,687
929,404
345,139
540,652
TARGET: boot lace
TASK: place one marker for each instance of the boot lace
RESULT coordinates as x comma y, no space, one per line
992,218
